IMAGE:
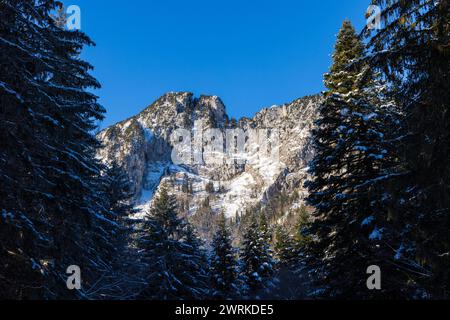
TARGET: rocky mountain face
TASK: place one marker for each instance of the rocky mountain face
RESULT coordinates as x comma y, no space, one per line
209,162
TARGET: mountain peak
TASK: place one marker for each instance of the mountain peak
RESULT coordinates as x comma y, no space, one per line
143,146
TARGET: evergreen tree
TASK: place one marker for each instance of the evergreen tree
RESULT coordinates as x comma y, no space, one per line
124,279
293,279
257,262
342,78
205,221
60,17
301,237
264,228
223,263
352,157
194,271
119,199
120,196
412,51
175,261
53,213
284,247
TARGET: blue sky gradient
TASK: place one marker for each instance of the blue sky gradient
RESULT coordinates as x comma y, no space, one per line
252,54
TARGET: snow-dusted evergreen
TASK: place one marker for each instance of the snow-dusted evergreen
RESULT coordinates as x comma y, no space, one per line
351,162
125,277
52,209
284,248
257,261
176,266
411,50
224,272
374,151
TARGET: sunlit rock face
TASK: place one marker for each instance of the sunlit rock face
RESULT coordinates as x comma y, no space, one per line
205,159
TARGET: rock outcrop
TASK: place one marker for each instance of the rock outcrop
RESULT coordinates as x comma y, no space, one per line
226,165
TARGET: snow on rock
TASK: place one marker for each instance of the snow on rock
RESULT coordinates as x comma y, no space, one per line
143,146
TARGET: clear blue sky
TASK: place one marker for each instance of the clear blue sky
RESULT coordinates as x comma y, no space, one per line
251,53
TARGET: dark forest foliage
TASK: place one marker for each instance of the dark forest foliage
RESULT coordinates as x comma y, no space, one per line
379,186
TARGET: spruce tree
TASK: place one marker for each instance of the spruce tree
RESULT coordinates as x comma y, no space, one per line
284,247
341,78
223,263
412,51
194,271
352,157
175,262
293,279
264,228
301,236
257,262
125,277
119,199
53,213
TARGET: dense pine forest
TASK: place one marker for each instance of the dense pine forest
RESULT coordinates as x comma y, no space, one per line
378,187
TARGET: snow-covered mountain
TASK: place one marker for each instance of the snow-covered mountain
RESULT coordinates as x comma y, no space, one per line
261,156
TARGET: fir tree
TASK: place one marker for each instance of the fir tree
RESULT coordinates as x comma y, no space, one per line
264,228
205,221
53,213
119,195
223,263
284,247
301,237
341,78
194,271
257,262
352,157
411,50
292,275
60,17
124,279
175,261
